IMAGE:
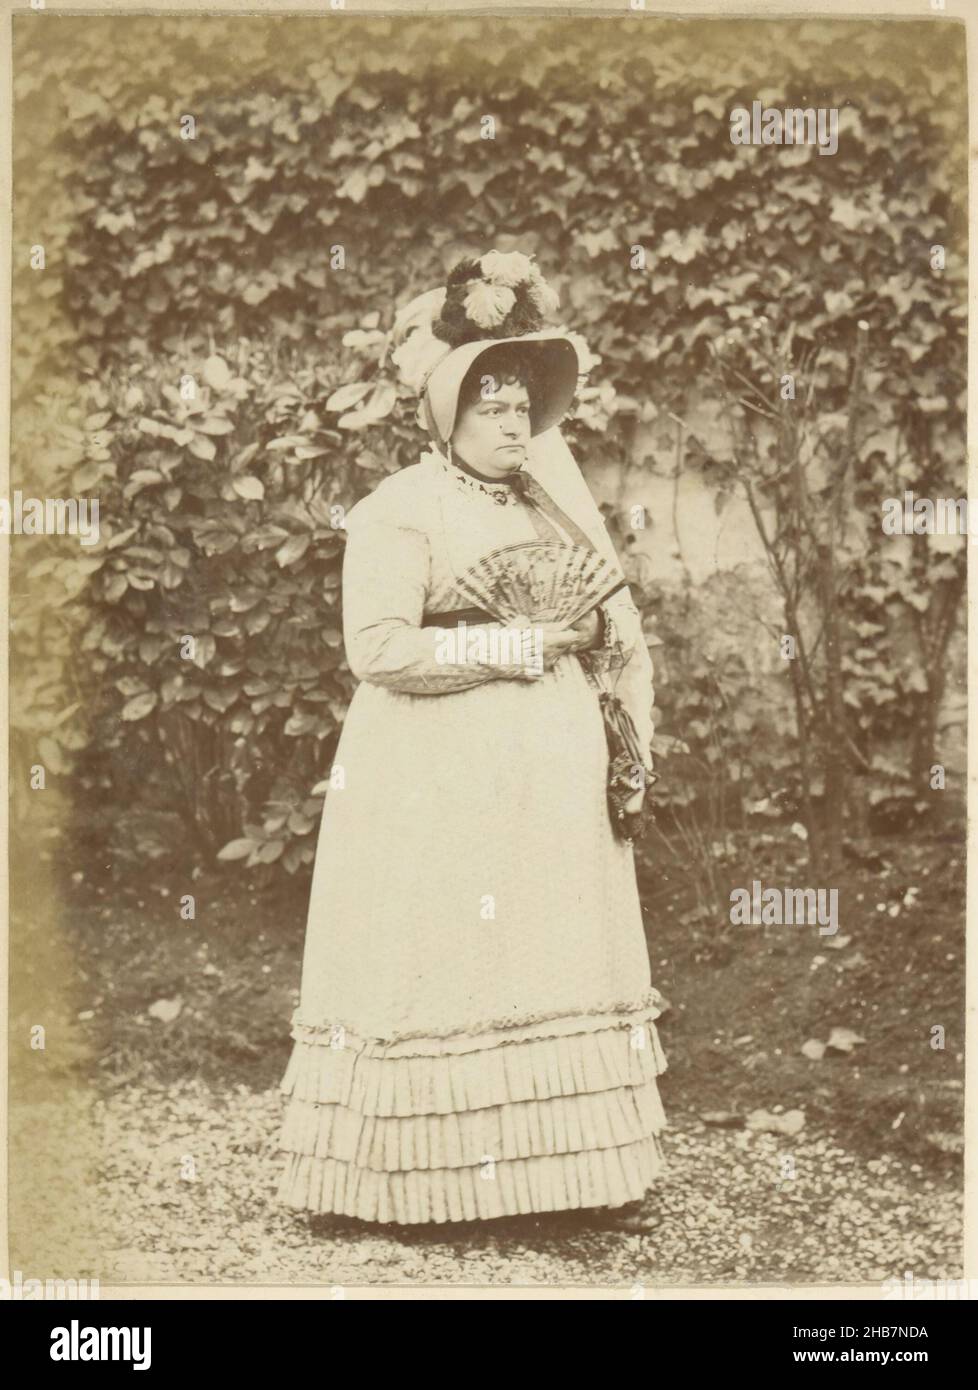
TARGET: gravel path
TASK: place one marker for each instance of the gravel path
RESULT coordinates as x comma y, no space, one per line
186,1195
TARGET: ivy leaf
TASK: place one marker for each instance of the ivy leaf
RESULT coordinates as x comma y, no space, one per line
202,448
220,700
300,723
214,424
204,649
347,397
121,537
131,685
684,247
291,550
839,302
380,405
914,679
249,487
216,373
139,706
848,212
52,755
287,441
354,187
238,849
596,242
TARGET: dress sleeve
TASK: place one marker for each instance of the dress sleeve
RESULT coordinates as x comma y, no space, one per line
385,583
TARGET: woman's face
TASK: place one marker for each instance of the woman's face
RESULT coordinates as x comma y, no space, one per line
492,434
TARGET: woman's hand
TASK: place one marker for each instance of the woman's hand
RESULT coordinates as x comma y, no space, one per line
548,642
557,640
589,630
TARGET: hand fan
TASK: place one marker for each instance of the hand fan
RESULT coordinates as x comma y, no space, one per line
543,581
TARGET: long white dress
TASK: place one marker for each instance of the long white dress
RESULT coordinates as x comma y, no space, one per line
475,1035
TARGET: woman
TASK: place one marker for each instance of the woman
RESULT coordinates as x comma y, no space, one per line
475,1033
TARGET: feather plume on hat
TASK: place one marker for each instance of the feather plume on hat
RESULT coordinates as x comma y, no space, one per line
500,296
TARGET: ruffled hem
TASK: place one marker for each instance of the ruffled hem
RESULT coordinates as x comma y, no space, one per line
374,1079
518,1129
475,1126
555,1182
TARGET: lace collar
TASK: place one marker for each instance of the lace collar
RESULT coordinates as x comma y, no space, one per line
502,493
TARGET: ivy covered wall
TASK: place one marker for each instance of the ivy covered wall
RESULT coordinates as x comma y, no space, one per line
216,257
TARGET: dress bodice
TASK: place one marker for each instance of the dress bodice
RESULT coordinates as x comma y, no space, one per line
474,517
409,542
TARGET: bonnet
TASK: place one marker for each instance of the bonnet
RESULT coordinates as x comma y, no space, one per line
499,298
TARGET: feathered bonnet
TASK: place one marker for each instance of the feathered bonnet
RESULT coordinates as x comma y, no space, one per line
499,298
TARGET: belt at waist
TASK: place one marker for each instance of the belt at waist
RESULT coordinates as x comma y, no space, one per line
451,617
